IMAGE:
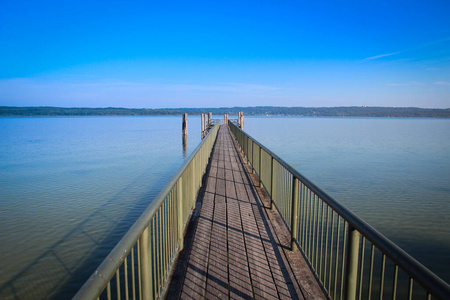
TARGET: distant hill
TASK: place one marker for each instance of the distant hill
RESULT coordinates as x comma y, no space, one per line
351,111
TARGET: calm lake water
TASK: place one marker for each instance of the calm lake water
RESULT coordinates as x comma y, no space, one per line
71,187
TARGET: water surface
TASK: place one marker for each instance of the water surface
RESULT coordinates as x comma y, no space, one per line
70,189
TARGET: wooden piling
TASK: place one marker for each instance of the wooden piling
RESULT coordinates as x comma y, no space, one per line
203,124
185,125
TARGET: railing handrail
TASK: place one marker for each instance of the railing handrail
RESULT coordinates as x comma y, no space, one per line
419,272
103,274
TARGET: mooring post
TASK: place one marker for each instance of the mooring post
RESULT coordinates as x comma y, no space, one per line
209,119
241,120
184,126
203,125
225,118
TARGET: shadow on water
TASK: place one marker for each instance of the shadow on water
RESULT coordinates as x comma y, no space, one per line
61,270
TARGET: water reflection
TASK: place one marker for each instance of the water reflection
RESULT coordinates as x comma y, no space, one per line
185,145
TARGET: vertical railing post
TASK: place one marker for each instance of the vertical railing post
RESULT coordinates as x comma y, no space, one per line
180,213
273,179
260,166
352,261
192,187
294,212
146,270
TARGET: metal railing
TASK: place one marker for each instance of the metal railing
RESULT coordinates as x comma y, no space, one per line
140,264
350,258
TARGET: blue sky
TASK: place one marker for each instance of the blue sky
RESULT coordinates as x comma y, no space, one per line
234,53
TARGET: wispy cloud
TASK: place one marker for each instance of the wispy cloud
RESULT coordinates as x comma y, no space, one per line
381,55
446,83
412,49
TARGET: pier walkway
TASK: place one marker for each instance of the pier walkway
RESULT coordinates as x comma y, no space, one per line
234,251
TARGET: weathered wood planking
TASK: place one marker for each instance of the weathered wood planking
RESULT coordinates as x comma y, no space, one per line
235,253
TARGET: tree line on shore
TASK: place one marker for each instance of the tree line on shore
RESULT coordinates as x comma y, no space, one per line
349,111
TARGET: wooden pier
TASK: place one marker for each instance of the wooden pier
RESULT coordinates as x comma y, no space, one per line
231,249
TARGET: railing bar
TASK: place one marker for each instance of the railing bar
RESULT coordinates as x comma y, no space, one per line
272,174
300,214
317,235
154,256
321,240
336,265
307,215
108,291
410,288
303,212
160,253
331,253
118,283
372,257
164,241
383,269
174,220
394,283
167,236
313,229
139,268
361,272
170,230
326,246
125,270
344,250
133,275
310,223
286,198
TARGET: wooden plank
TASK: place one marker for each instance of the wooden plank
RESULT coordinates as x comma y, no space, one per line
217,281
239,274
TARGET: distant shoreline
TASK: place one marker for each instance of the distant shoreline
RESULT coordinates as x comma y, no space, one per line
349,111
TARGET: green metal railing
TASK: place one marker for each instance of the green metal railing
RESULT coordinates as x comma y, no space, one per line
140,264
350,258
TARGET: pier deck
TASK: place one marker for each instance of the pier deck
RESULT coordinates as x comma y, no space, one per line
234,251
